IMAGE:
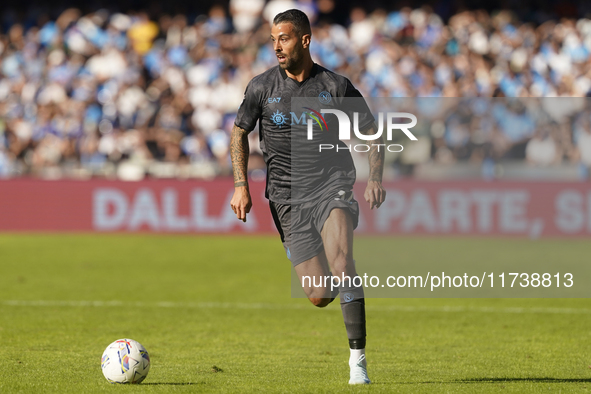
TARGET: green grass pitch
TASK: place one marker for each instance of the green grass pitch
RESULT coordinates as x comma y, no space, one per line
216,315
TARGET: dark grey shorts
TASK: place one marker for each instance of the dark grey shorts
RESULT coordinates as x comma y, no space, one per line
300,225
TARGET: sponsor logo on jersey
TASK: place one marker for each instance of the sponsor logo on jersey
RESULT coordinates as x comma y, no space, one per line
278,118
274,100
317,117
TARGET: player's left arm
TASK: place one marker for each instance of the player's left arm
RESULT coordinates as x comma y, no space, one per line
374,192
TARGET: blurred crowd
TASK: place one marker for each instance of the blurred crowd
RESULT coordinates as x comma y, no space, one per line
126,95
531,134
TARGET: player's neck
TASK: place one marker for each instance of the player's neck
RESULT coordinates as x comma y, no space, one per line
303,72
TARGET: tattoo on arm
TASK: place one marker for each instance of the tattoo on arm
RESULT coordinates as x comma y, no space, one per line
376,157
239,153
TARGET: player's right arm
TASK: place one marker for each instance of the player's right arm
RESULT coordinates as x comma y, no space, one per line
241,201
247,117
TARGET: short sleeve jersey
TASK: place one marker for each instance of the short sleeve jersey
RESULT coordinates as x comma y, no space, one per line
267,100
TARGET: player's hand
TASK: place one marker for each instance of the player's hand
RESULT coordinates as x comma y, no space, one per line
241,202
374,194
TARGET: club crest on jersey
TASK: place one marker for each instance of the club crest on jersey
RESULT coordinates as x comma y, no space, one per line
324,97
278,118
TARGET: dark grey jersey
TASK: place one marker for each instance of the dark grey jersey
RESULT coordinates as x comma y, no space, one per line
268,100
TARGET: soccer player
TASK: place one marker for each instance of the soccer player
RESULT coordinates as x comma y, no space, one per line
316,231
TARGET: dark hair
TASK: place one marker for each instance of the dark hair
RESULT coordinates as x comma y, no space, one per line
299,20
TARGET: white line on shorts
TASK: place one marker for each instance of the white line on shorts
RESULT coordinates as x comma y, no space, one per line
256,305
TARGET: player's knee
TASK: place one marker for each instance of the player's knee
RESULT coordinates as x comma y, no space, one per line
320,302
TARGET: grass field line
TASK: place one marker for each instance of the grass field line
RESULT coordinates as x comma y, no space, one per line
256,305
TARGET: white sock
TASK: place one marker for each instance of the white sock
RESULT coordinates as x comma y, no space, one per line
355,354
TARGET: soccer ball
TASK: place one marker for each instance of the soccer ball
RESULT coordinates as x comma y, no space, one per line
125,361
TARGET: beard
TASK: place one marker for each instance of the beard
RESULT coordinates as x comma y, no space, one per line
293,61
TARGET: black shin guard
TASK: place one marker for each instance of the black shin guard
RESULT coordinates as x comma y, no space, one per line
353,308
357,343
334,292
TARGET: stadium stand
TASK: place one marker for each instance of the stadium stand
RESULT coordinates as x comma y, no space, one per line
126,95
